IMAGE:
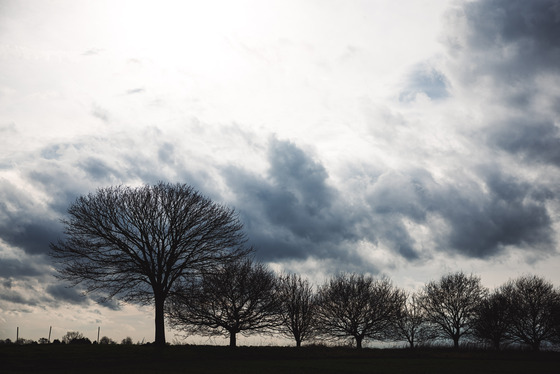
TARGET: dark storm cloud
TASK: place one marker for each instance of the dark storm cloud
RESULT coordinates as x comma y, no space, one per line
513,39
513,46
20,268
484,221
98,169
293,212
529,138
24,224
62,293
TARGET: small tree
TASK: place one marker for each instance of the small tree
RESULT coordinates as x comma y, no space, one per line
107,340
136,243
358,307
75,337
127,341
450,304
410,322
532,302
239,297
298,313
492,319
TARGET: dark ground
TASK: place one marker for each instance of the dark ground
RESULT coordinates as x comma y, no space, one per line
267,360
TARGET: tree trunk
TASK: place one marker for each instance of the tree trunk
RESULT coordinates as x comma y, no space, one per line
456,342
160,321
298,342
232,339
359,342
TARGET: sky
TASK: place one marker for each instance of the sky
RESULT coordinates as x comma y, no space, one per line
405,138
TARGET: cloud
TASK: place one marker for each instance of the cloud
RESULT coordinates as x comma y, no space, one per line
93,52
485,220
100,113
292,212
64,294
507,53
135,91
427,79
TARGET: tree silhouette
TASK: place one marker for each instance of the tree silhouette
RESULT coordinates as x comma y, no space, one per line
532,303
410,322
450,304
492,319
238,297
358,306
298,312
136,243
75,337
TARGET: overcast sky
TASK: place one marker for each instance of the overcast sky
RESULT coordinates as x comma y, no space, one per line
401,138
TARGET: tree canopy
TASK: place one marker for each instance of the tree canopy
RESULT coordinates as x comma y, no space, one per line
240,297
135,243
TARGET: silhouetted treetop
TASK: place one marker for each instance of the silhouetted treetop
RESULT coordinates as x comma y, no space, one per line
134,243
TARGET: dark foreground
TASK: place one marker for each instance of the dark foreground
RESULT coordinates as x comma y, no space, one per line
267,360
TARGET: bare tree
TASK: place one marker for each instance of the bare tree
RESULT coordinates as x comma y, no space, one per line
136,243
450,304
239,297
298,313
107,340
492,320
75,337
532,304
358,307
410,322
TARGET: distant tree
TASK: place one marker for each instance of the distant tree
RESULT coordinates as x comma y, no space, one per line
450,304
75,337
298,312
410,323
107,340
492,319
358,307
239,297
127,341
23,341
136,243
71,335
532,303
43,341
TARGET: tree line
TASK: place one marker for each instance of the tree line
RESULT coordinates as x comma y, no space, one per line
71,337
247,297
170,246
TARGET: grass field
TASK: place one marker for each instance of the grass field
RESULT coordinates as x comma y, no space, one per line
267,360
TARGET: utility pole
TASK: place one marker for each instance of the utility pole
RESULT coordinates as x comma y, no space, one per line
50,330
98,329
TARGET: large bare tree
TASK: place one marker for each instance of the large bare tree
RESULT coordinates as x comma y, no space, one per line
532,305
136,243
239,297
358,306
492,321
450,304
410,323
299,308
